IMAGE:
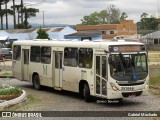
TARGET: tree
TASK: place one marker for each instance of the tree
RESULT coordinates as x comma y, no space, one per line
111,15
14,14
123,16
93,19
28,13
1,13
7,11
42,34
144,15
24,25
147,23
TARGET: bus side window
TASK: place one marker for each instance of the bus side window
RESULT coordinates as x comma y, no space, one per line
85,57
71,57
35,54
17,52
46,55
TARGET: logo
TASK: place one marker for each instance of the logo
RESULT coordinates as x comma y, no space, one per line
115,48
6,114
134,77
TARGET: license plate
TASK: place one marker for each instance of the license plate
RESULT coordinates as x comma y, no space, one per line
127,88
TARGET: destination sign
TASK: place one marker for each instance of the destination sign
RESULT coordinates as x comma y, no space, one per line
126,48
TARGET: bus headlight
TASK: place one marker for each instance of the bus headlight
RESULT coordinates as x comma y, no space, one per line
114,87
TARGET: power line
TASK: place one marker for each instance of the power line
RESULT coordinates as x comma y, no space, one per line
36,4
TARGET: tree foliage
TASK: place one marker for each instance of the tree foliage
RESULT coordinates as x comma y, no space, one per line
147,23
123,16
111,15
28,13
24,25
42,34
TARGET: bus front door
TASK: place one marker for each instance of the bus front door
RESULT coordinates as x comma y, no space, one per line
101,75
25,64
58,69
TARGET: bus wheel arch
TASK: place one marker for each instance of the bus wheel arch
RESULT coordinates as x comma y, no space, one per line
36,81
84,90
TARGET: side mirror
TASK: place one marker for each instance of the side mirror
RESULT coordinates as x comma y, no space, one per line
110,60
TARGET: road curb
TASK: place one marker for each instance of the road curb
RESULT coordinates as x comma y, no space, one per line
7,77
12,102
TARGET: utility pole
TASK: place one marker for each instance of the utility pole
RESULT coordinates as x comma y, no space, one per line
43,19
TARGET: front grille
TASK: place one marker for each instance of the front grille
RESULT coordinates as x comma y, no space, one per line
132,93
131,84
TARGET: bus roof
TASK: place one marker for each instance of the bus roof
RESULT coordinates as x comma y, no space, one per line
89,44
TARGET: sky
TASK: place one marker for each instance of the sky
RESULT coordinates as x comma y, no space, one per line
72,11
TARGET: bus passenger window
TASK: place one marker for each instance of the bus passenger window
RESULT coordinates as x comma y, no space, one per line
46,55
17,52
85,57
35,54
71,57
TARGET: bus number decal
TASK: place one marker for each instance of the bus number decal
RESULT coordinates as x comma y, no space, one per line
44,70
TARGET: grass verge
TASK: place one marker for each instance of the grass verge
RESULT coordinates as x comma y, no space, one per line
155,79
26,105
6,73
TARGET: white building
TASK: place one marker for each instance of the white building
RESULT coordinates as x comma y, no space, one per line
30,34
151,38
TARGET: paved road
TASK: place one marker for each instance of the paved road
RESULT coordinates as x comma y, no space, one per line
50,100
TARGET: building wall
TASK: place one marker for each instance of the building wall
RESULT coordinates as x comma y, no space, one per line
126,27
66,31
21,36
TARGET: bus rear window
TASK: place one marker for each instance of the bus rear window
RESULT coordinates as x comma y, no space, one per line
17,52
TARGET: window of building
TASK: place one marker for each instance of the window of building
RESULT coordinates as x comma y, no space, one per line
46,55
35,54
85,57
111,32
71,57
155,41
103,32
17,52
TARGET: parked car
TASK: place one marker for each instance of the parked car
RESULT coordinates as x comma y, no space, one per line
6,53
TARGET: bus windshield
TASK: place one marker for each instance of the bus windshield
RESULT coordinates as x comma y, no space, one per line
128,67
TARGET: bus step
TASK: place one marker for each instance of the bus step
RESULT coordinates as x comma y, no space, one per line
57,88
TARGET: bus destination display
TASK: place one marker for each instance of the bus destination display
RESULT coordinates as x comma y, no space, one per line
128,48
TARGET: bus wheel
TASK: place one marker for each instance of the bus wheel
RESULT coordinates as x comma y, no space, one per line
86,93
36,82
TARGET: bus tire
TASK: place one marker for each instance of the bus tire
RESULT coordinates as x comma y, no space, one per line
86,93
36,82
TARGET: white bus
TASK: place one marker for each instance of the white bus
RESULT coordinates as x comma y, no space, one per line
111,70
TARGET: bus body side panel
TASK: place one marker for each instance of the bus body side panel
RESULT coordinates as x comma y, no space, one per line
71,77
44,72
16,67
